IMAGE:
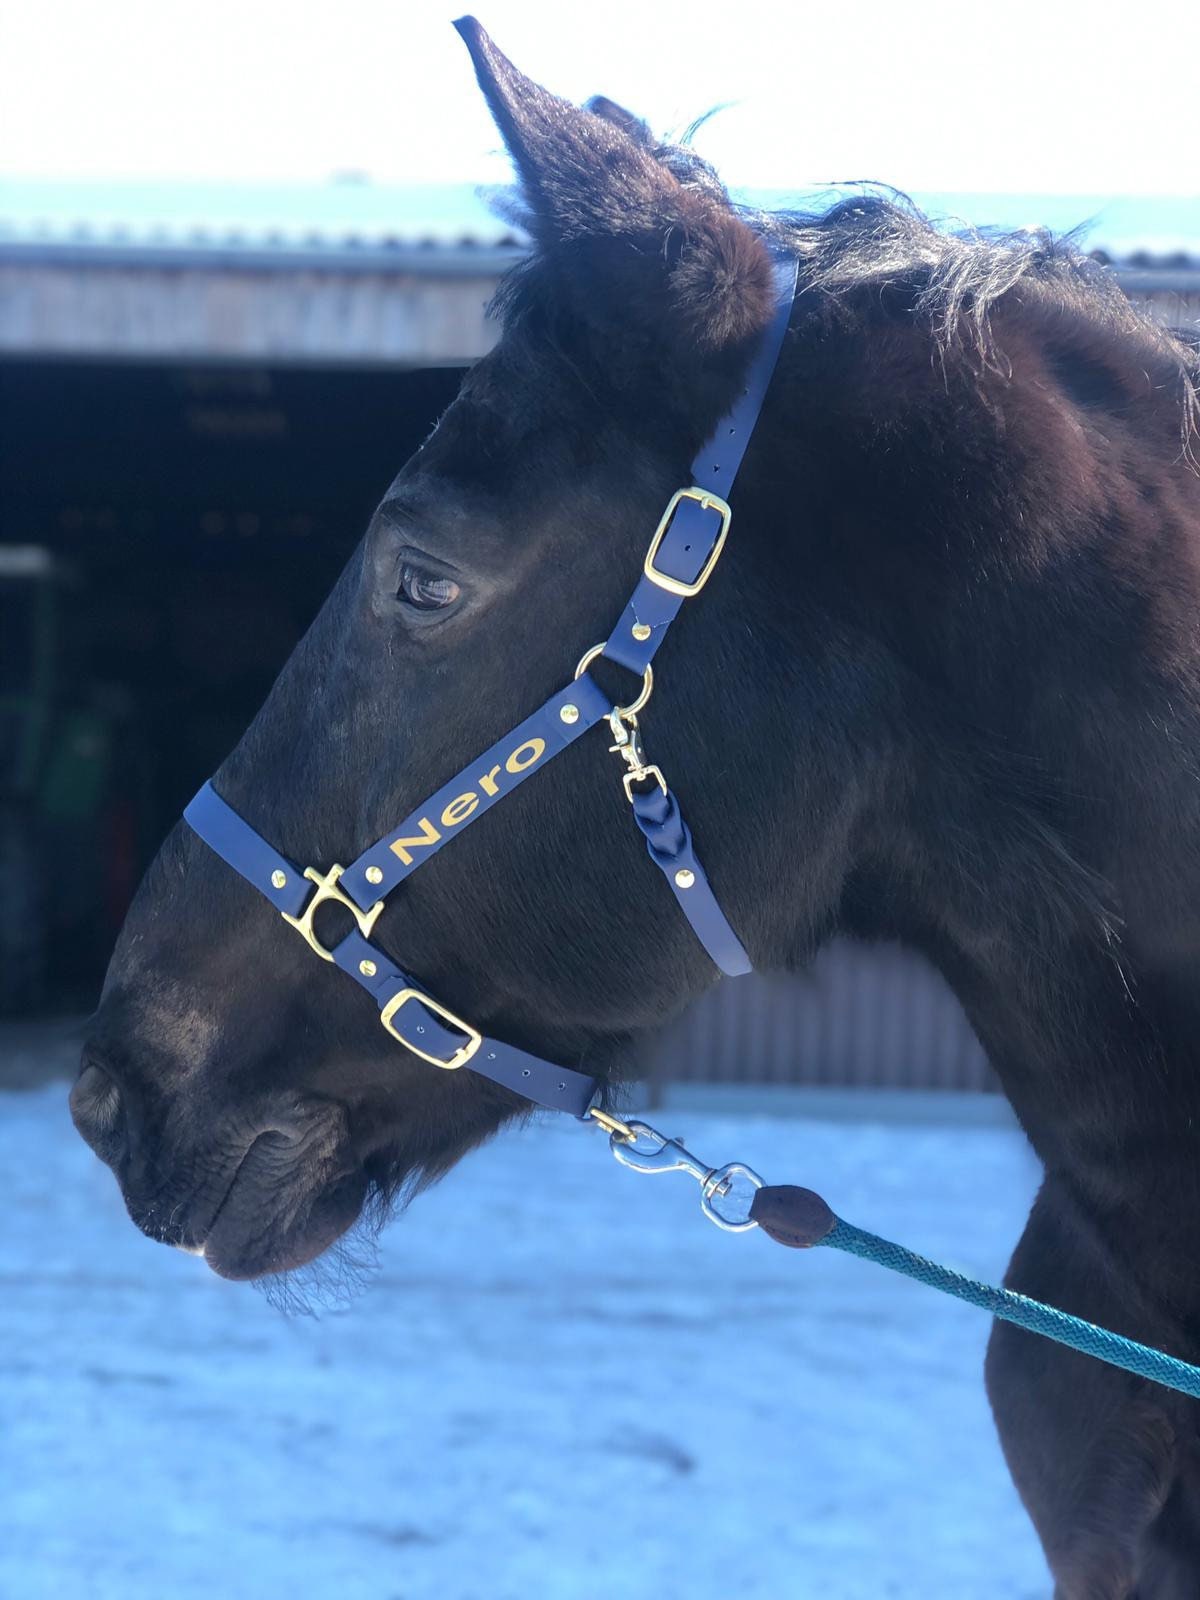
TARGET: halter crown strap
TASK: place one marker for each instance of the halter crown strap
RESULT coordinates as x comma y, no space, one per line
679,562
690,537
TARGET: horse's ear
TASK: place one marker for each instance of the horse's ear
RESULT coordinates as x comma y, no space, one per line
592,177
601,106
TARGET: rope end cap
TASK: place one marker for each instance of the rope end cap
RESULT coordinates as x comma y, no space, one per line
795,1217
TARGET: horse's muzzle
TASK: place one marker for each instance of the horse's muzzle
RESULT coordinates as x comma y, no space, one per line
292,1194
261,1198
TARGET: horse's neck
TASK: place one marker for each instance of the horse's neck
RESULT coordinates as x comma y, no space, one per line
1092,1020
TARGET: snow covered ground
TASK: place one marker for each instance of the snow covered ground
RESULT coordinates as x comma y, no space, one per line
561,1384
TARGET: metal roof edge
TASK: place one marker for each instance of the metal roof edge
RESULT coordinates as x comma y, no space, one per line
413,260
431,258
1156,280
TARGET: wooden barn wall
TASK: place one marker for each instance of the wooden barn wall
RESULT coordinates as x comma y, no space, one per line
229,313
359,311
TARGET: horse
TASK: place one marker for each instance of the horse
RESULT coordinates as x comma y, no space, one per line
944,688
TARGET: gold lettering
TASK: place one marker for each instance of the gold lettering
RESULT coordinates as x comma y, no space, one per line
428,835
488,781
458,809
537,746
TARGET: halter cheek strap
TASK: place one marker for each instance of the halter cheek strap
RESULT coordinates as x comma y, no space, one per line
691,535
679,562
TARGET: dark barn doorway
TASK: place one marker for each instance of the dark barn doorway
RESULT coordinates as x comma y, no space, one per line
167,534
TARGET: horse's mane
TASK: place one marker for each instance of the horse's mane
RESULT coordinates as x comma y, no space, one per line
953,279
877,247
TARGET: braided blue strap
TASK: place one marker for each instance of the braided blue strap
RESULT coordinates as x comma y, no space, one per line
1019,1309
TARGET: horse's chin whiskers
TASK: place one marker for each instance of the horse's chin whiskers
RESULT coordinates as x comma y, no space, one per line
192,1249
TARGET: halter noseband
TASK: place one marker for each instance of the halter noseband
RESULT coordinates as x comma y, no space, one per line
681,558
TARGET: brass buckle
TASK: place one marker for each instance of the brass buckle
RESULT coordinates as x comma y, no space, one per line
664,580
327,889
460,1057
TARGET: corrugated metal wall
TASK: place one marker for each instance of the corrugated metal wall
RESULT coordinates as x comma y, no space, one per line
863,1015
1176,307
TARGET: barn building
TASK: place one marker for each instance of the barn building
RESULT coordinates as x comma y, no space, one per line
203,393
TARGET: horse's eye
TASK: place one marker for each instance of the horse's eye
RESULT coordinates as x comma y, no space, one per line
426,590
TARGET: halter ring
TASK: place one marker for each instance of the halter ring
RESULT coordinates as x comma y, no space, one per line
624,712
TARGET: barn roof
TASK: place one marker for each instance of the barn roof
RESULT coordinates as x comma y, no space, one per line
352,220
353,271
339,225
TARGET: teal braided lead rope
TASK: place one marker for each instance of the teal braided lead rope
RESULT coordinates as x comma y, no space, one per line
1018,1308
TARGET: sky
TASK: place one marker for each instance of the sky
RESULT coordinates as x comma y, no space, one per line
1059,96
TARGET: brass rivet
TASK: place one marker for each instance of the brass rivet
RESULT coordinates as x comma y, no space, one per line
374,874
641,631
367,968
279,879
685,877
569,713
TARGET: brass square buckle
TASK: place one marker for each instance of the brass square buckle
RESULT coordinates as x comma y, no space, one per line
327,889
464,1052
664,580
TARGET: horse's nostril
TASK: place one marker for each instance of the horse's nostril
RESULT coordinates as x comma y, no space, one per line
96,1111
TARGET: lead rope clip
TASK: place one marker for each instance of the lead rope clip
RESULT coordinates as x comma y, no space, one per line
628,745
726,1193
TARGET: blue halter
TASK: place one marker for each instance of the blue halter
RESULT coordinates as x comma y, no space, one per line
681,558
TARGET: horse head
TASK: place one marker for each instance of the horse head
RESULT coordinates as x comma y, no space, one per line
245,1096
868,714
